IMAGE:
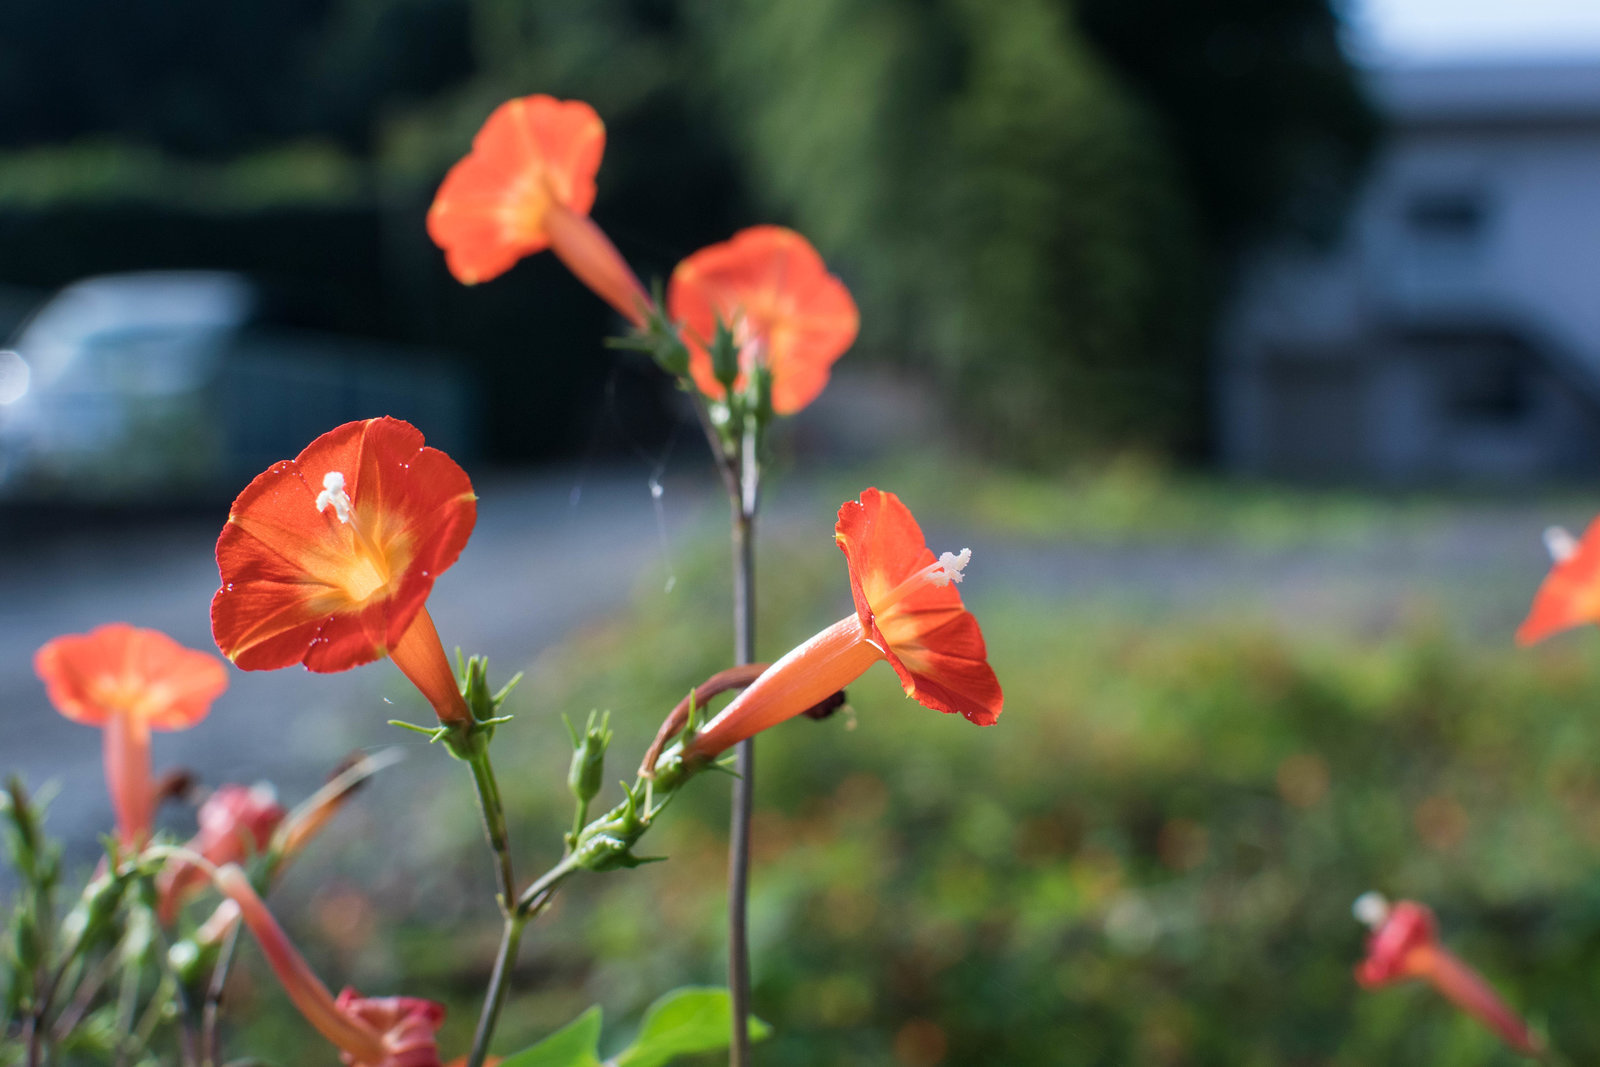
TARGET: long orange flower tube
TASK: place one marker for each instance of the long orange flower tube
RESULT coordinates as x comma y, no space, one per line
371,1032
528,185
1570,593
1404,945
129,681
328,559
907,612
771,288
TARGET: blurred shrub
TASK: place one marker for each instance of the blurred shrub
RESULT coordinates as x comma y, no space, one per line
1150,860
1036,202
1003,206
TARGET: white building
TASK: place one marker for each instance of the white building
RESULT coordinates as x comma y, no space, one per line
1454,332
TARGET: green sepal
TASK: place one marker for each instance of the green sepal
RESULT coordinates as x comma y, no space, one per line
432,733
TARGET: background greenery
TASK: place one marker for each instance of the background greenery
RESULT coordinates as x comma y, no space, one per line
1036,203
1150,860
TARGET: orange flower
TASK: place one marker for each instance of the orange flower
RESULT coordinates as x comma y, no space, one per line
769,287
1570,594
1404,944
371,1032
907,612
328,559
528,185
129,681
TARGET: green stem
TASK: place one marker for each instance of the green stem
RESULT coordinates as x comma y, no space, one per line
494,828
494,825
580,817
210,1013
744,641
499,986
527,907
537,895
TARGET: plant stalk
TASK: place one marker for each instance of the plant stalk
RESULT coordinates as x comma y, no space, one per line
744,641
499,838
494,827
519,912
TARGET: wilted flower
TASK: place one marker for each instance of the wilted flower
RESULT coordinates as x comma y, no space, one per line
786,312
129,681
1404,944
236,822
907,612
328,559
528,185
370,1031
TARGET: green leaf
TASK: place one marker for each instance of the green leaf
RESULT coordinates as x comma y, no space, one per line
575,1045
693,1019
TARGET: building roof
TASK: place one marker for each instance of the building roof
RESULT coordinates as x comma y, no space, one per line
1489,93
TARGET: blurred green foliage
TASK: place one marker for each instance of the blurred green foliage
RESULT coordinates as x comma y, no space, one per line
1150,860
1036,202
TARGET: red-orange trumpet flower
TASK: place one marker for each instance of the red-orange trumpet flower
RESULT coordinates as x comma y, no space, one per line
1570,593
528,185
907,612
369,1031
328,559
787,313
1404,944
129,681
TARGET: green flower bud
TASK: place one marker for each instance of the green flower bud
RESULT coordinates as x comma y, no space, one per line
90,920
586,775
724,356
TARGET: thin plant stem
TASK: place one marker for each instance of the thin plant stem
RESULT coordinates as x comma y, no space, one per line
83,998
518,915
744,641
171,986
127,1002
499,986
494,826
211,1011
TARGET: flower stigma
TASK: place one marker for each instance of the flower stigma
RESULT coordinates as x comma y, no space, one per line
1371,909
948,569
1561,545
334,496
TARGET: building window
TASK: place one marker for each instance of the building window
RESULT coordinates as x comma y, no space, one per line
1489,387
1455,215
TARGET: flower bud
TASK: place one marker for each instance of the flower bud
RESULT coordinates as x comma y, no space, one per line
586,775
89,921
724,356
760,393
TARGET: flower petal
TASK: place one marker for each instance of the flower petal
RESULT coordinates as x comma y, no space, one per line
932,642
119,669
1569,595
489,211
771,287
298,586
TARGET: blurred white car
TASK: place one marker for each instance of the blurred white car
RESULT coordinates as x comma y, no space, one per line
141,388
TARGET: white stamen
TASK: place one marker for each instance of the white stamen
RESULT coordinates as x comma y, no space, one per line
951,564
334,496
1561,545
1371,909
